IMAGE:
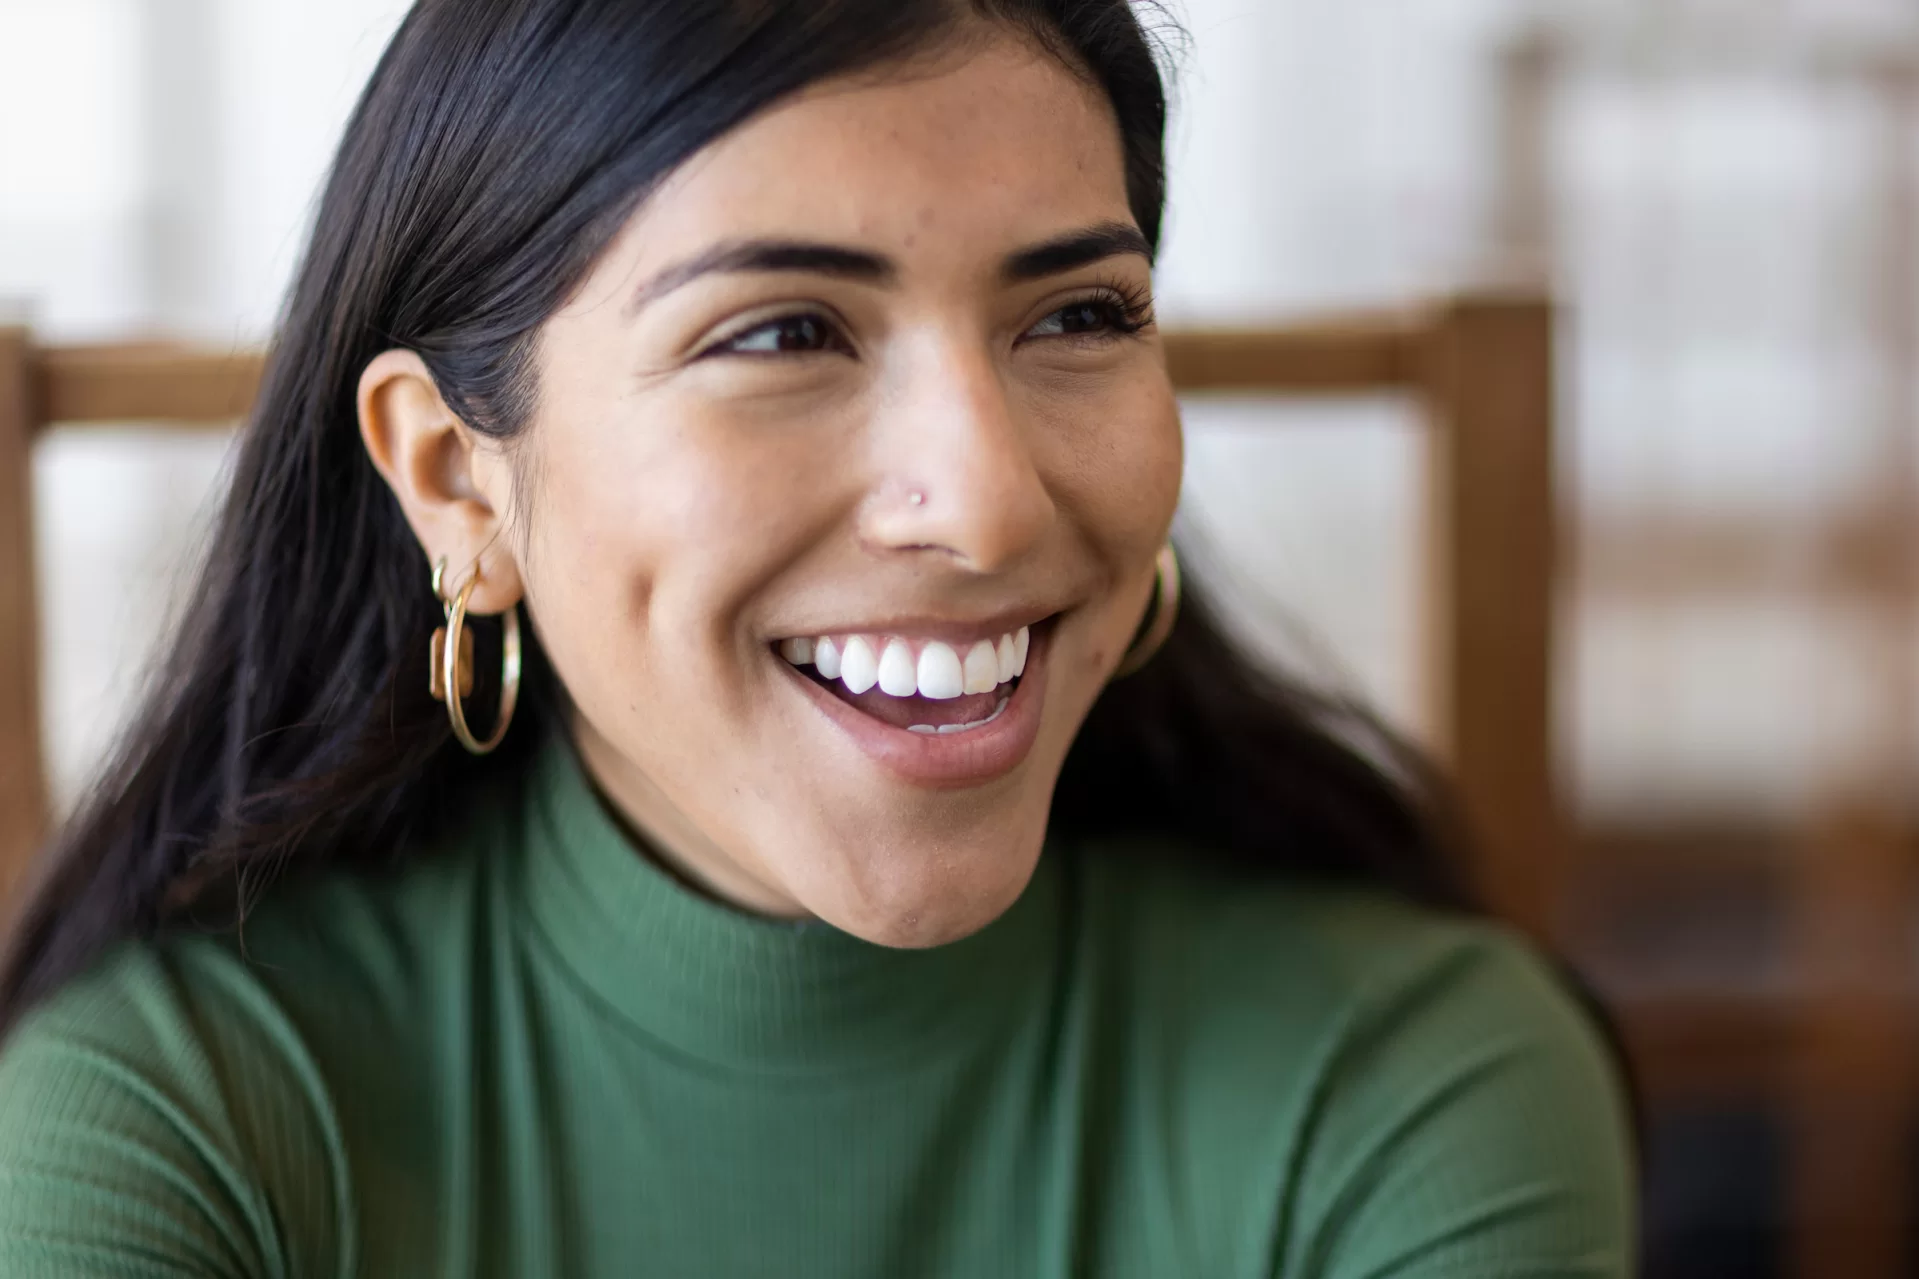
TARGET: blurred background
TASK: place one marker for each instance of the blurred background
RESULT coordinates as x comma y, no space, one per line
1720,197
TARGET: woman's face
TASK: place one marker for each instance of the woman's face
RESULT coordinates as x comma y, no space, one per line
867,391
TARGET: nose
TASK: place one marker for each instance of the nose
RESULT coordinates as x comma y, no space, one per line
958,471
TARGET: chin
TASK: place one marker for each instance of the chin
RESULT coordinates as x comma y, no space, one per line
926,892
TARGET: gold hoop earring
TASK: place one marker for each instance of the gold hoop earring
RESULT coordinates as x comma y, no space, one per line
1154,630
451,680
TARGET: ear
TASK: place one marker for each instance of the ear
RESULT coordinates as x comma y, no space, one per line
453,484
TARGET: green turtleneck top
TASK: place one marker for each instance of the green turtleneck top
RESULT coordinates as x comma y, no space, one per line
533,1053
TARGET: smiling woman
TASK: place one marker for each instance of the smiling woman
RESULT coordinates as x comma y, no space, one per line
832,903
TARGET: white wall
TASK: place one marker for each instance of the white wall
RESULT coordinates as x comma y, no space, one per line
158,164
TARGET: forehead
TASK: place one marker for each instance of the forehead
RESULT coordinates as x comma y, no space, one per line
999,145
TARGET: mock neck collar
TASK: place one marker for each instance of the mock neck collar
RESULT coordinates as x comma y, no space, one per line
727,987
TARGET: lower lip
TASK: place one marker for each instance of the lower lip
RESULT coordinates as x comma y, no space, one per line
971,758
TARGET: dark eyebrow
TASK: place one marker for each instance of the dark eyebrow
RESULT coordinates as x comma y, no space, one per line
1075,249
767,255
1063,253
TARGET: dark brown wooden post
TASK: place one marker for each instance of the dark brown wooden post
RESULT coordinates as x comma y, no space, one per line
23,799
1488,371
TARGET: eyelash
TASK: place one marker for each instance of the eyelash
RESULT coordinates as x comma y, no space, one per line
1127,309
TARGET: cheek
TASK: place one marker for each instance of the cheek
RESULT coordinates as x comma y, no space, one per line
653,530
1115,459
1118,466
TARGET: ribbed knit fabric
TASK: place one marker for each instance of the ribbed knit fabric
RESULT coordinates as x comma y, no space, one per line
533,1053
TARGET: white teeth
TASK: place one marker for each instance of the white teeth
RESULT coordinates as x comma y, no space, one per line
897,674
981,674
940,672
940,676
859,669
826,658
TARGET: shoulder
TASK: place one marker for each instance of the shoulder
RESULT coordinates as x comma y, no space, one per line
161,1115
1331,957
1408,1090
191,1102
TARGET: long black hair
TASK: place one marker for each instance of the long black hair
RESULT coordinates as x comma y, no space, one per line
498,147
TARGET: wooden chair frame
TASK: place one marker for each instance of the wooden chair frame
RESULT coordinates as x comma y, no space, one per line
1833,1050
1479,367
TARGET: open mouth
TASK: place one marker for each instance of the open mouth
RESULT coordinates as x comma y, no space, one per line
927,686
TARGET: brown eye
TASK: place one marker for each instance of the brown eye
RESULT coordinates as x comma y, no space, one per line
1097,317
788,335
1087,317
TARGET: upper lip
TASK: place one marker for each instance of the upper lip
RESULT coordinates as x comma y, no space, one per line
923,626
